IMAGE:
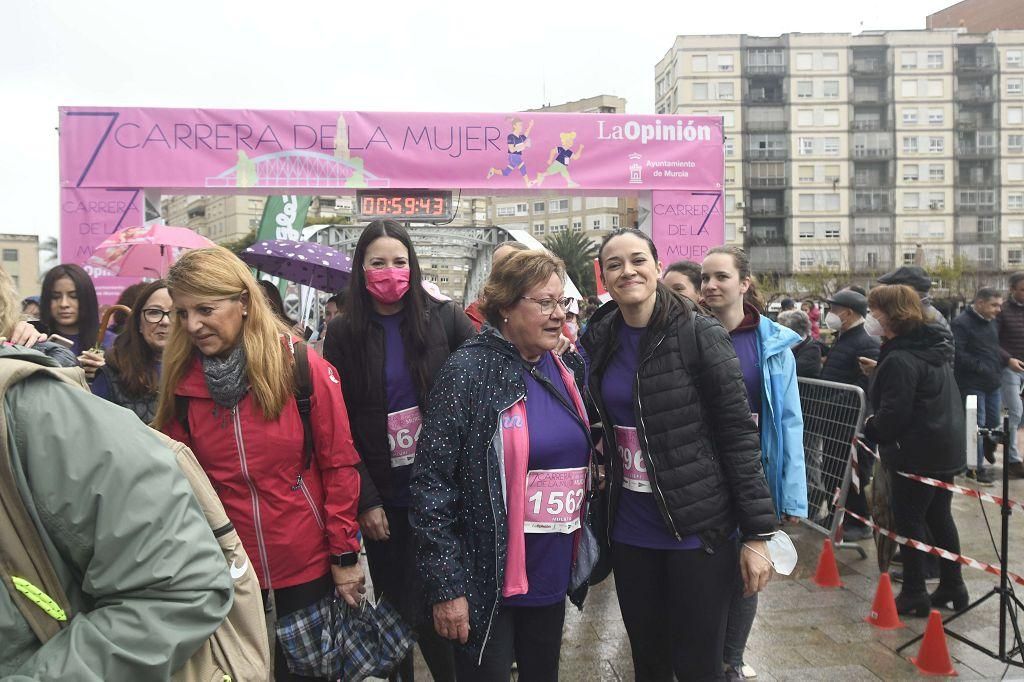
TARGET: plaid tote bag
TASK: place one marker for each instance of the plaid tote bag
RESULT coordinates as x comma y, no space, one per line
330,639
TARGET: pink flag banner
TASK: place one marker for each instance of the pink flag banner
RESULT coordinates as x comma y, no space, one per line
685,224
254,152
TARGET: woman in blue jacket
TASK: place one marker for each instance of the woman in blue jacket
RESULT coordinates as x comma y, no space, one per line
769,373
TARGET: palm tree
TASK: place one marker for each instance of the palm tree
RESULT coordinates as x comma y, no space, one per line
578,252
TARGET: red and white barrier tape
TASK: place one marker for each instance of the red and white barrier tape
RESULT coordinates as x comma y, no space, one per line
969,492
937,551
872,451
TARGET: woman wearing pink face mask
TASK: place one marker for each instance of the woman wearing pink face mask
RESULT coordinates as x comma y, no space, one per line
388,347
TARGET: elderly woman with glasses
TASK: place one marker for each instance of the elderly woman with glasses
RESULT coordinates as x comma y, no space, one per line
132,371
501,481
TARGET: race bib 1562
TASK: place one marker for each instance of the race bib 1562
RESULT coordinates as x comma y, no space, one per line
404,429
554,498
634,468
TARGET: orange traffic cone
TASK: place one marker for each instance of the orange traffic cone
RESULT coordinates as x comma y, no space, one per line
827,574
933,656
883,611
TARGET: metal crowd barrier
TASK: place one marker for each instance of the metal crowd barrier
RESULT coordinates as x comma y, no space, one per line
833,416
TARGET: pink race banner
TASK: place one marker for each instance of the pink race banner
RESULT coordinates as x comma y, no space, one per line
685,224
253,152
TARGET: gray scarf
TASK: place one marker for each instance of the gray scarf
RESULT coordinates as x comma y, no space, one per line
226,378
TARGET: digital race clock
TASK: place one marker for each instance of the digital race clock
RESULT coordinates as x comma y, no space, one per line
416,205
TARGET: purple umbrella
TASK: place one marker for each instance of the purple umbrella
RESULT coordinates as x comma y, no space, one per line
309,263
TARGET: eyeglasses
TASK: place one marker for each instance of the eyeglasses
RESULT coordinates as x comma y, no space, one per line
547,305
155,315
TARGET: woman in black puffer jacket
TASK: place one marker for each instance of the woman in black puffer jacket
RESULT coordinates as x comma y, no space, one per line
670,393
919,426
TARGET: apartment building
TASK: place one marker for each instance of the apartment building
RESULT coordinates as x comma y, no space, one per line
851,153
21,261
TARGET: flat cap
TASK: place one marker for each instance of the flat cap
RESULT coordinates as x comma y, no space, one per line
911,275
852,300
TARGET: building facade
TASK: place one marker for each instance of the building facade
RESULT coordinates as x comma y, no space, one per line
20,258
979,16
862,153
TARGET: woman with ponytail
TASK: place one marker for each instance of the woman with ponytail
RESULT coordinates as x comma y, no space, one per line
769,375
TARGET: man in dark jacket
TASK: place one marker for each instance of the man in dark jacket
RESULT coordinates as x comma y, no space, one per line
1011,338
846,318
979,364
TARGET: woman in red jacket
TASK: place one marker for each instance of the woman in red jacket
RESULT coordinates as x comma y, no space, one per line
228,392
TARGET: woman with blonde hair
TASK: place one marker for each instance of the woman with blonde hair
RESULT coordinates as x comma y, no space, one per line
228,392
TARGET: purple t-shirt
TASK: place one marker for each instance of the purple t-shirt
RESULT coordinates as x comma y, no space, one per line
557,441
638,521
401,393
745,343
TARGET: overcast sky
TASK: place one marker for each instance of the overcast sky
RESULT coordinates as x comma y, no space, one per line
352,55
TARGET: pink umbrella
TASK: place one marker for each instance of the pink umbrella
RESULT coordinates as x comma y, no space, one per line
146,251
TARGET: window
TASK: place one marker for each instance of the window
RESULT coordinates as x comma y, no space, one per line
831,230
830,89
615,221
936,145
730,147
830,61
558,205
804,61
577,225
699,63
910,144
935,117
1015,256
521,209
807,259
806,146
805,173
934,87
725,91
936,201
1015,201
725,62
910,228
934,60
910,172
1014,58
1014,87
700,91
538,228
595,224
538,207
831,173
910,117
730,232
831,146
831,117
730,175
911,200
804,89
506,210
937,173
1015,142
10,255
908,60
1015,116
1015,229
804,117
936,228
806,230
806,202
908,88
819,202
730,203
1015,173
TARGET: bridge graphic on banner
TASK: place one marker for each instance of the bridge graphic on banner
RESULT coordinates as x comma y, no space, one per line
297,168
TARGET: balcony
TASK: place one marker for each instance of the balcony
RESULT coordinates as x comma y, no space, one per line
976,65
766,126
870,96
867,125
977,183
766,69
767,211
973,151
872,152
772,182
872,238
872,203
766,153
974,237
868,67
871,182
976,95
762,97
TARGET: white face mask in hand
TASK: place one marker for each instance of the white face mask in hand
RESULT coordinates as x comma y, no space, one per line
872,326
782,553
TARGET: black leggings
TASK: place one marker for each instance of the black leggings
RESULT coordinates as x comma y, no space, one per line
288,600
529,635
393,571
675,605
917,509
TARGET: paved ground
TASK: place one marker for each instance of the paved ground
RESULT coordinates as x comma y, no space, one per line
803,632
